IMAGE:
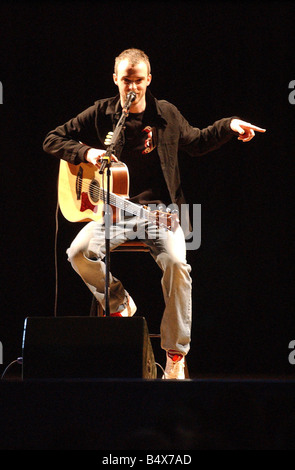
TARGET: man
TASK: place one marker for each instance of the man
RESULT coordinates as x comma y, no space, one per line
154,133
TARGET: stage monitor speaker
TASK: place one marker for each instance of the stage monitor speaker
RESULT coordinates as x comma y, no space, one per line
87,347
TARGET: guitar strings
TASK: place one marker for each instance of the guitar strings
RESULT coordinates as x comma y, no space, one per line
99,193
121,203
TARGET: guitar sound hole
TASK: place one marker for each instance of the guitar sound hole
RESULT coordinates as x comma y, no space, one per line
94,190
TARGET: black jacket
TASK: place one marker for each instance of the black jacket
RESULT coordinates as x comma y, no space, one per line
174,134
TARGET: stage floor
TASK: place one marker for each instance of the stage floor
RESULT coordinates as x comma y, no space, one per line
110,414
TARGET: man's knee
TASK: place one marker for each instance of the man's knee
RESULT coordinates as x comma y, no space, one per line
169,262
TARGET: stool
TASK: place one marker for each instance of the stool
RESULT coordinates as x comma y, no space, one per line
132,245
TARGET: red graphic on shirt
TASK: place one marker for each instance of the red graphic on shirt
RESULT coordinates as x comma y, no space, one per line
150,141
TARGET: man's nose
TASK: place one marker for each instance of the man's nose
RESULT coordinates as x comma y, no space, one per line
132,86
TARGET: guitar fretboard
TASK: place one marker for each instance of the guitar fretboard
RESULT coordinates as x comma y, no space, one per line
127,206
98,193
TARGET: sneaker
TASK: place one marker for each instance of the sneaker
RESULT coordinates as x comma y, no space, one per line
174,366
126,309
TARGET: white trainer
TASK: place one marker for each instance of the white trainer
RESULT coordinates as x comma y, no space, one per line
174,369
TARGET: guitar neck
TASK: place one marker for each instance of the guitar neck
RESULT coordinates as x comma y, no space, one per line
127,206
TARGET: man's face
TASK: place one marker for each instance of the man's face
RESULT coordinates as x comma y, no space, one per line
132,78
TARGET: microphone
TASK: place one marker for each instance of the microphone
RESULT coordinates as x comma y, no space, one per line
130,97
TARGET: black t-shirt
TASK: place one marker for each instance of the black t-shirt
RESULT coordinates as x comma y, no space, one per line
147,183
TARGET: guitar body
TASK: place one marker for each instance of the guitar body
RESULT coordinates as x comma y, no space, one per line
80,189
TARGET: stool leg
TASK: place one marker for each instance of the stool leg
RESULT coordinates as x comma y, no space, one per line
96,309
186,373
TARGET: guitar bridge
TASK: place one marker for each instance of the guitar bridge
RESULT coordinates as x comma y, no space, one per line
79,180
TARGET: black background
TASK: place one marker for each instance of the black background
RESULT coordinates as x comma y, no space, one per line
211,60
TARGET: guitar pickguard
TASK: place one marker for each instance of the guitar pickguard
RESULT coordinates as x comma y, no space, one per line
86,204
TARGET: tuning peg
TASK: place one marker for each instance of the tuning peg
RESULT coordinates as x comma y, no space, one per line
108,138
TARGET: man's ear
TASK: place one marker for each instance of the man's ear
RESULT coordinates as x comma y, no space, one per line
149,79
115,78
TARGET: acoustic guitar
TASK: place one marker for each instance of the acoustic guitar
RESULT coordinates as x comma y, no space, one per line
82,194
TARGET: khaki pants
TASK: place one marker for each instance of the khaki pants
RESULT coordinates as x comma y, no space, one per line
86,255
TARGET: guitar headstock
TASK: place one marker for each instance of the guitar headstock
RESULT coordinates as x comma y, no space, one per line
168,219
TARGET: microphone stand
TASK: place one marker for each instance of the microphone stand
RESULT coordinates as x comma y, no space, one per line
105,165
